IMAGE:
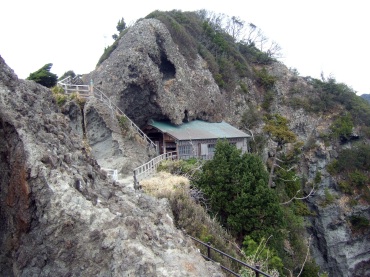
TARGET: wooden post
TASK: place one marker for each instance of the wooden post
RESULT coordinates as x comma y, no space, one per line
91,87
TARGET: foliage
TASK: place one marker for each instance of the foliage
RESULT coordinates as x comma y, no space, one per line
277,128
359,223
236,186
311,269
342,127
257,145
69,73
192,217
329,198
123,122
264,79
79,100
181,167
44,77
251,117
268,98
244,87
352,167
254,55
330,94
59,95
122,29
107,52
260,252
195,33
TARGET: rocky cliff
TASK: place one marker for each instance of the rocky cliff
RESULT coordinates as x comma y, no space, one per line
148,77
60,214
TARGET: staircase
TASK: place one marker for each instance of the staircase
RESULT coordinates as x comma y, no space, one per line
70,85
74,85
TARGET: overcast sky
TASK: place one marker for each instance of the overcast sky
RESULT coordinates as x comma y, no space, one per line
316,36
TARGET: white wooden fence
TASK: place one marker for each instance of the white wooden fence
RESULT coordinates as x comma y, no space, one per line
149,168
113,173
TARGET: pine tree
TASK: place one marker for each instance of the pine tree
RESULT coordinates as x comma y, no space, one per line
44,77
237,188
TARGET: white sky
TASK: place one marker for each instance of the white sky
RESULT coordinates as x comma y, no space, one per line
316,36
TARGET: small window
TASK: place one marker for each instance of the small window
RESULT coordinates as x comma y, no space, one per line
185,150
211,149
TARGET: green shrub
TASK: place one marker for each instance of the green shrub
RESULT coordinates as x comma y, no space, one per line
260,252
194,220
267,100
359,222
264,79
59,95
358,179
345,187
251,117
61,99
244,88
188,167
329,198
317,179
342,127
44,77
237,188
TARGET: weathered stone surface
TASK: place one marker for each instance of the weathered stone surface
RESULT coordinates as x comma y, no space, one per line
60,216
111,145
147,77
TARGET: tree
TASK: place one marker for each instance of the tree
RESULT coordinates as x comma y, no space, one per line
121,26
237,190
277,128
69,73
44,77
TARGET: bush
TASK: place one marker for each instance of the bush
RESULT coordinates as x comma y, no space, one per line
342,127
44,77
267,100
359,222
264,79
191,216
237,188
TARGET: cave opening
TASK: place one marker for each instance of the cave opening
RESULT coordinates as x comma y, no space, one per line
167,68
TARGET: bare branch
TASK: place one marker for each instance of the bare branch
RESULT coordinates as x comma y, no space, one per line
312,192
308,252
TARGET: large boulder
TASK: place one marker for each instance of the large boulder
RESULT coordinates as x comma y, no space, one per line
61,216
148,77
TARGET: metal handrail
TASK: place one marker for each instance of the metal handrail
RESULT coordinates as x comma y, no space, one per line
208,257
147,169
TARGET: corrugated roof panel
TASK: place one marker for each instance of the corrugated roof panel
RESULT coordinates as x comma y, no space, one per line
199,129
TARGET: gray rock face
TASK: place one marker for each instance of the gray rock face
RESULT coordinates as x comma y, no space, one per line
113,146
61,216
73,111
336,248
148,77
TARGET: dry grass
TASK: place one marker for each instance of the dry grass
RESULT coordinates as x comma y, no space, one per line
190,216
164,183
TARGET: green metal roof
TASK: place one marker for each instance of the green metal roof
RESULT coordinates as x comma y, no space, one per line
199,129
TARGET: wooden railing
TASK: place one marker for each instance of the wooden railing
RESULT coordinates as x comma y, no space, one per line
149,168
